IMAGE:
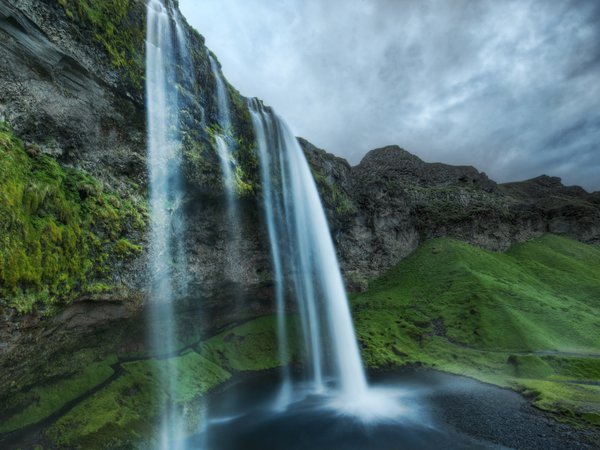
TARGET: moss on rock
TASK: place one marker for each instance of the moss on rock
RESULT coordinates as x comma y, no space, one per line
249,347
125,412
61,230
41,401
334,197
119,27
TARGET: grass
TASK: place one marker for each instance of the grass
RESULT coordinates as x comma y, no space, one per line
61,231
251,346
127,410
493,316
40,402
526,319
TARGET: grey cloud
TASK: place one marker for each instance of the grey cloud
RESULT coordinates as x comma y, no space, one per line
512,87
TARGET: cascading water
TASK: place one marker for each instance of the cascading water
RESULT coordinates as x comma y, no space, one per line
304,260
273,209
227,162
224,117
296,219
167,228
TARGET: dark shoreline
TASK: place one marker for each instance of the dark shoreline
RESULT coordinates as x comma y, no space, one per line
492,416
473,407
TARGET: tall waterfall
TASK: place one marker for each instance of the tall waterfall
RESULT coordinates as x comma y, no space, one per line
276,228
302,251
225,147
167,228
224,118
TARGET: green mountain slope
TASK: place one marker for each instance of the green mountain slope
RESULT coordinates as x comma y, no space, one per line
527,319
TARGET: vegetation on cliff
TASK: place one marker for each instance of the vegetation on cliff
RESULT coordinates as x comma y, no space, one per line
526,319
331,195
62,232
119,27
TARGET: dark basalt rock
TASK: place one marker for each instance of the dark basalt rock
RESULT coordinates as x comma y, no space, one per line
399,166
60,93
399,200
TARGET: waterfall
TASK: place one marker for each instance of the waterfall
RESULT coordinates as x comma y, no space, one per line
302,251
224,119
225,146
274,221
167,227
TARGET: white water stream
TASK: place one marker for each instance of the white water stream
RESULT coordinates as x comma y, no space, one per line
167,226
303,254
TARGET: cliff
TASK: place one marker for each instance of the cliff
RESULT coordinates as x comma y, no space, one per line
73,188
384,207
73,178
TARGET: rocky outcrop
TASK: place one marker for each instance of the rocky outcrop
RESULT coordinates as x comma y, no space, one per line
396,201
566,210
59,92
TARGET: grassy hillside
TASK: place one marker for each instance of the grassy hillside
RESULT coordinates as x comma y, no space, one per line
527,319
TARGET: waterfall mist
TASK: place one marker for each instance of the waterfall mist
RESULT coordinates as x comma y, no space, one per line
225,149
165,46
304,256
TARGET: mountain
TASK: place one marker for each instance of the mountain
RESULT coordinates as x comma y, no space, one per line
384,207
74,207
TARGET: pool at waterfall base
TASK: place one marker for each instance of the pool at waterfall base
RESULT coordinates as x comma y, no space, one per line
433,410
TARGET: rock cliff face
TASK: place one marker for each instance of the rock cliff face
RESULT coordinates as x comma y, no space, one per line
392,201
71,87
60,92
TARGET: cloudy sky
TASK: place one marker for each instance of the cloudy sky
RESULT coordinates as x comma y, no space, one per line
511,87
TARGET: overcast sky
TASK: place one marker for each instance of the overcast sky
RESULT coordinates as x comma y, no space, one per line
511,87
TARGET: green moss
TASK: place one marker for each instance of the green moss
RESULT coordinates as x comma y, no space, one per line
119,412
41,401
249,347
529,366
58,228
571,402
126,410
452,306
244,157
118,27
572,367
491,316
247,169
201,165
332,195
125,248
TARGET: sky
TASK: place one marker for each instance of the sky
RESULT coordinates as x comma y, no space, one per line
511,87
